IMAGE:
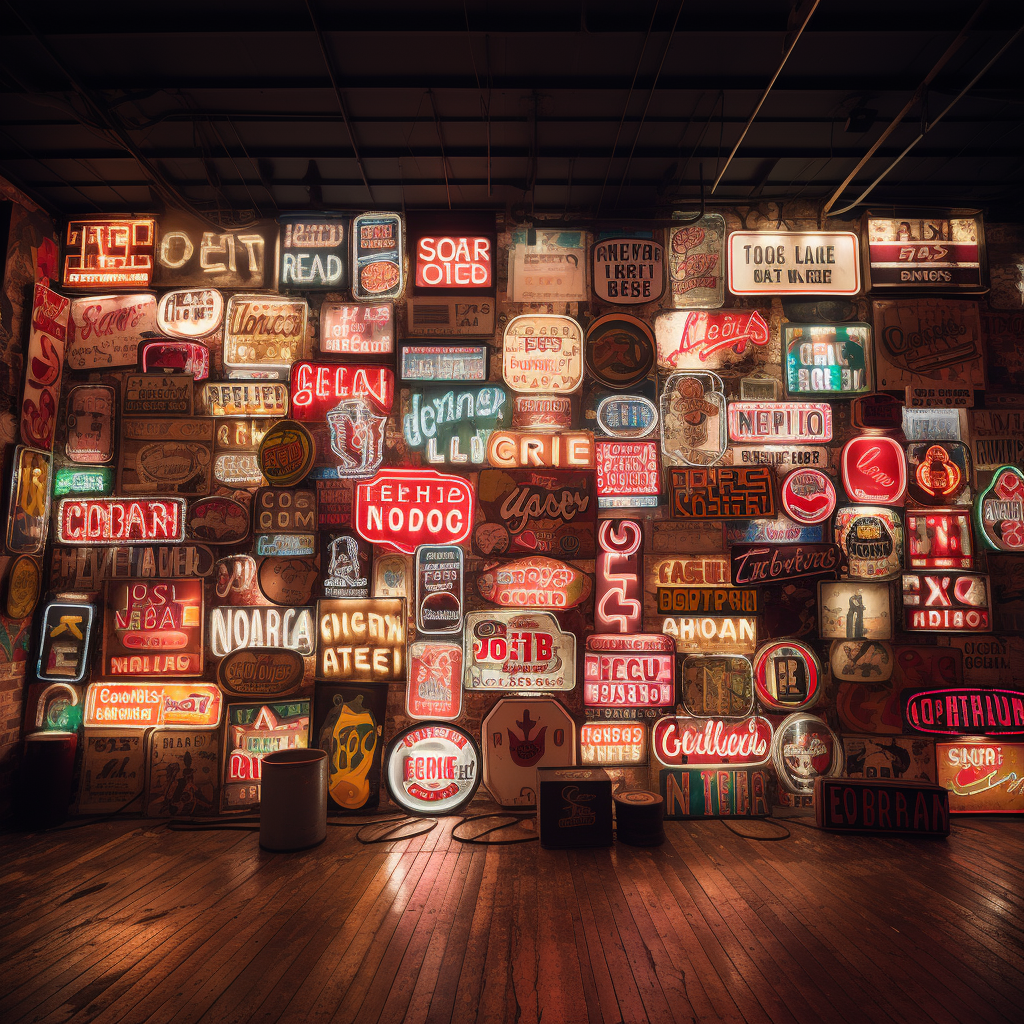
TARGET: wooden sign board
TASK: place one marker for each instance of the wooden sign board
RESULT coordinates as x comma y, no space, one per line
721,792
982,775
361,640
174,757
168,456
882,807
722,492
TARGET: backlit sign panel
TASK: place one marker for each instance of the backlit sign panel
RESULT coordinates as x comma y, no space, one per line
942,602
452,425
106,330
568,449
939,539
982,776
120,521
190,313
313,249
712,741
871,538
780,422
44,367
832,360
518,652
191,255
794,263
189,357
356,329
454,261
233,628
874,470
963,711
429,361
535,581
698,634
999,511
116,253
432,769
939,472
618,606
263,335
254,730
854,611
439,588
378,256
64,642
318,388
140,705
613,743
711,601
636,671
434,688
716,792
361,639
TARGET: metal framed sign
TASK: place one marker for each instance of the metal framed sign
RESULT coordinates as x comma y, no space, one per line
942,602
613,743
378,257
244,398
542,353
877,412
535,581
618,605
627,417
780,422
874,470
635,671
544,413
434,688
357,329
361,640
91,413
704,634
963,711
717,686
430,361
780,530
794,263
982,775
439,588
696,263
939,539
313,249
882,807
432,769
461,262
232,629
808,496
112,253
620,350
721,492
291,580
101,521
568,449
939,473
999,511
64,642
699,340
716,792
804,750
347,573
452,425
871,538
854,611
139,705
44,367
172,456
746,742
693,419
933,424
190,357
263,335
190,313
787,676
348,722
628,474
106,330
628,271
190,255
254,730
518,652
24,585
830,360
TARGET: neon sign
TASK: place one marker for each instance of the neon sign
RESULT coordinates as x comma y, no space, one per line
712,741
434,689
312,252
622,743
361,639
234,628
697,634
882,807
174,705
453,262
542,353
946,603
636,671
999,511
352,329
190,313
808,496
939,539
190,255
518,652
787,675
254,730
378,257
120,521
698,340
964,711
44,367
619,604
827,359
316,388
780,422
983,777
715,792
64,642
628,474
432,769
709,601
573,449
109,254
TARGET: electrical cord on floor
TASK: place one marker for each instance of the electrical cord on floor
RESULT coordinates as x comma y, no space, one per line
93,820
516,817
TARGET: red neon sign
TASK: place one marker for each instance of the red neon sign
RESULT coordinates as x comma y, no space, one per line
453,262
629,671
704,741
120,520
316,388
874,470
403,508
619,606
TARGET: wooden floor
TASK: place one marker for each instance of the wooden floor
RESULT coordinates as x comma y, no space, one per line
128,921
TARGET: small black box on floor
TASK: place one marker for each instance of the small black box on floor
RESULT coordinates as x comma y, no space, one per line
574,807
639,818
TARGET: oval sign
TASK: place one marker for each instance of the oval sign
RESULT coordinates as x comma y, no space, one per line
176,357
432,769
533,582
620,350
172,462
627,416
861,661
805,749
218,520
288,581
808,496
261,672
286,453
712,741
190,312
999,511
787,675
23,585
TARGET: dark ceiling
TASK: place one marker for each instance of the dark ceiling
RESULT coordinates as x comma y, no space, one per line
229,107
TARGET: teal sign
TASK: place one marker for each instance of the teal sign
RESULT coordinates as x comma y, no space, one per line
450,426
833,360
722,792
96,480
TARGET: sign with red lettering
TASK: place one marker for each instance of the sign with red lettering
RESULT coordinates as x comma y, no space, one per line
432,769
628,271
874,470
44,366
877,412
153,629
318,388
618,607
628,474
882,807
140,705
696,263
805,749
787,675
357,329
106,330
946,603
403,508
712,741
699,340
542,353
188,357
535,581
518,652
794,263
459,261
963,711
378,256
120,521
434,688
780,422
939,539
808,496
636,671
613,743
982,776
116,253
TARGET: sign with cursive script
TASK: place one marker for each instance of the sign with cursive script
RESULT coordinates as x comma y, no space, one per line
754,564
106,330
712,741
701,340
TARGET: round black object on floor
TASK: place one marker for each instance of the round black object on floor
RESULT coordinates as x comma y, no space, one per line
639,818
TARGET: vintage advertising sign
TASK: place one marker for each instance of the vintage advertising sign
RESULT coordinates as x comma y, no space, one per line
794,263
172,456
635,671
696,263
999,511
932,398
435,316
535,512
190,313
535,581
106,330
717,685
716,792
233,628
699,634
933,424
939,472
91,411
779,530
432,770
787,676
939,539
982,776
693,419
620,350
347,572
263,335
157,394
780,422
403,508
946,603
115,253
462,262
627,417
520,735
44,367
568,449
64,642
997,438
628,474
712,601
628,271
113,770
355,329
722,492
312,252
433,362
120,521
189,357
833,360
218,520
914,253
618,607
804,750
698,340
173,705
286,453
28,512
613,743
882,807
190,255
251,398
153,629
877,412
361,640
24,584
285,511
439,588
318,388
68,480
919,342
808,496
378,257
710,570
291,581
854,611
906,758
542,353
871,538
434,688
235,580
260,672
183,773
544,413
963,711
874,470
552,271
348,722
87,568
518,652
746,742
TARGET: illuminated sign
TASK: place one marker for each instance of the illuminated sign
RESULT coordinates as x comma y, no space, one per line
361,639
190,255
286,453
723,492
44,366
432,362
68,480
190,313
939,473
189,357
403,508
619,350
787,675
109,254
542,353
780,422
628,271
439,597
999,511
453,262
174,456
173,705
535,512
773,531
877,412
120,521
934,424
827,359
874,470
545,413
432,769
622,743
618,607
451,425
347,573
635,671
964,711
804,750
434,688
712,741
686,571
881,807
312,252
231,629
939,539
86,568
90,423
693,418
533,582
628,474
287,545
146,394
28,513
64,642
808,496
24,582
716,792
626,416
352,329
318,388
794,263
930,254
710,601
872,540
518,652
717,686
698,340
982,776
106,330
263,334
378,257
251,398
854,611
254,730
153,629
348,722
910,758
694,635
946,603
508,449
696,263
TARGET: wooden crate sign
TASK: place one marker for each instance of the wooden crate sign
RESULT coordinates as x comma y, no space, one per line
715,792
882,807
724,492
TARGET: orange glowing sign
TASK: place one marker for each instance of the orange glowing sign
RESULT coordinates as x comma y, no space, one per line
569,449
141,705
109,254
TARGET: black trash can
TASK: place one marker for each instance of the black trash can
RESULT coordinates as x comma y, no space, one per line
293,799
47,773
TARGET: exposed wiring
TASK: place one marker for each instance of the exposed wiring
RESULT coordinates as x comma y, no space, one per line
516,816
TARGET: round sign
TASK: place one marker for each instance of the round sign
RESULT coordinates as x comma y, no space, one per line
787,675
805,749
218,520
874,470
286,453
808,496
234,581
261,672
432,769
868,661
620,350
288,581
23,585
999,511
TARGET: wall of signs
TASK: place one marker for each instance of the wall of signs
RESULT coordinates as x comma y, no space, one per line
426,495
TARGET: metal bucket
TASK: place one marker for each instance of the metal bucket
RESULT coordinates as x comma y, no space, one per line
293,799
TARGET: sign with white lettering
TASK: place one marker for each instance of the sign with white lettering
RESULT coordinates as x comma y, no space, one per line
378,257
313,249
190,255
635,671
938,602
794,263
232,628
190,313
361,640
712,741
832,360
